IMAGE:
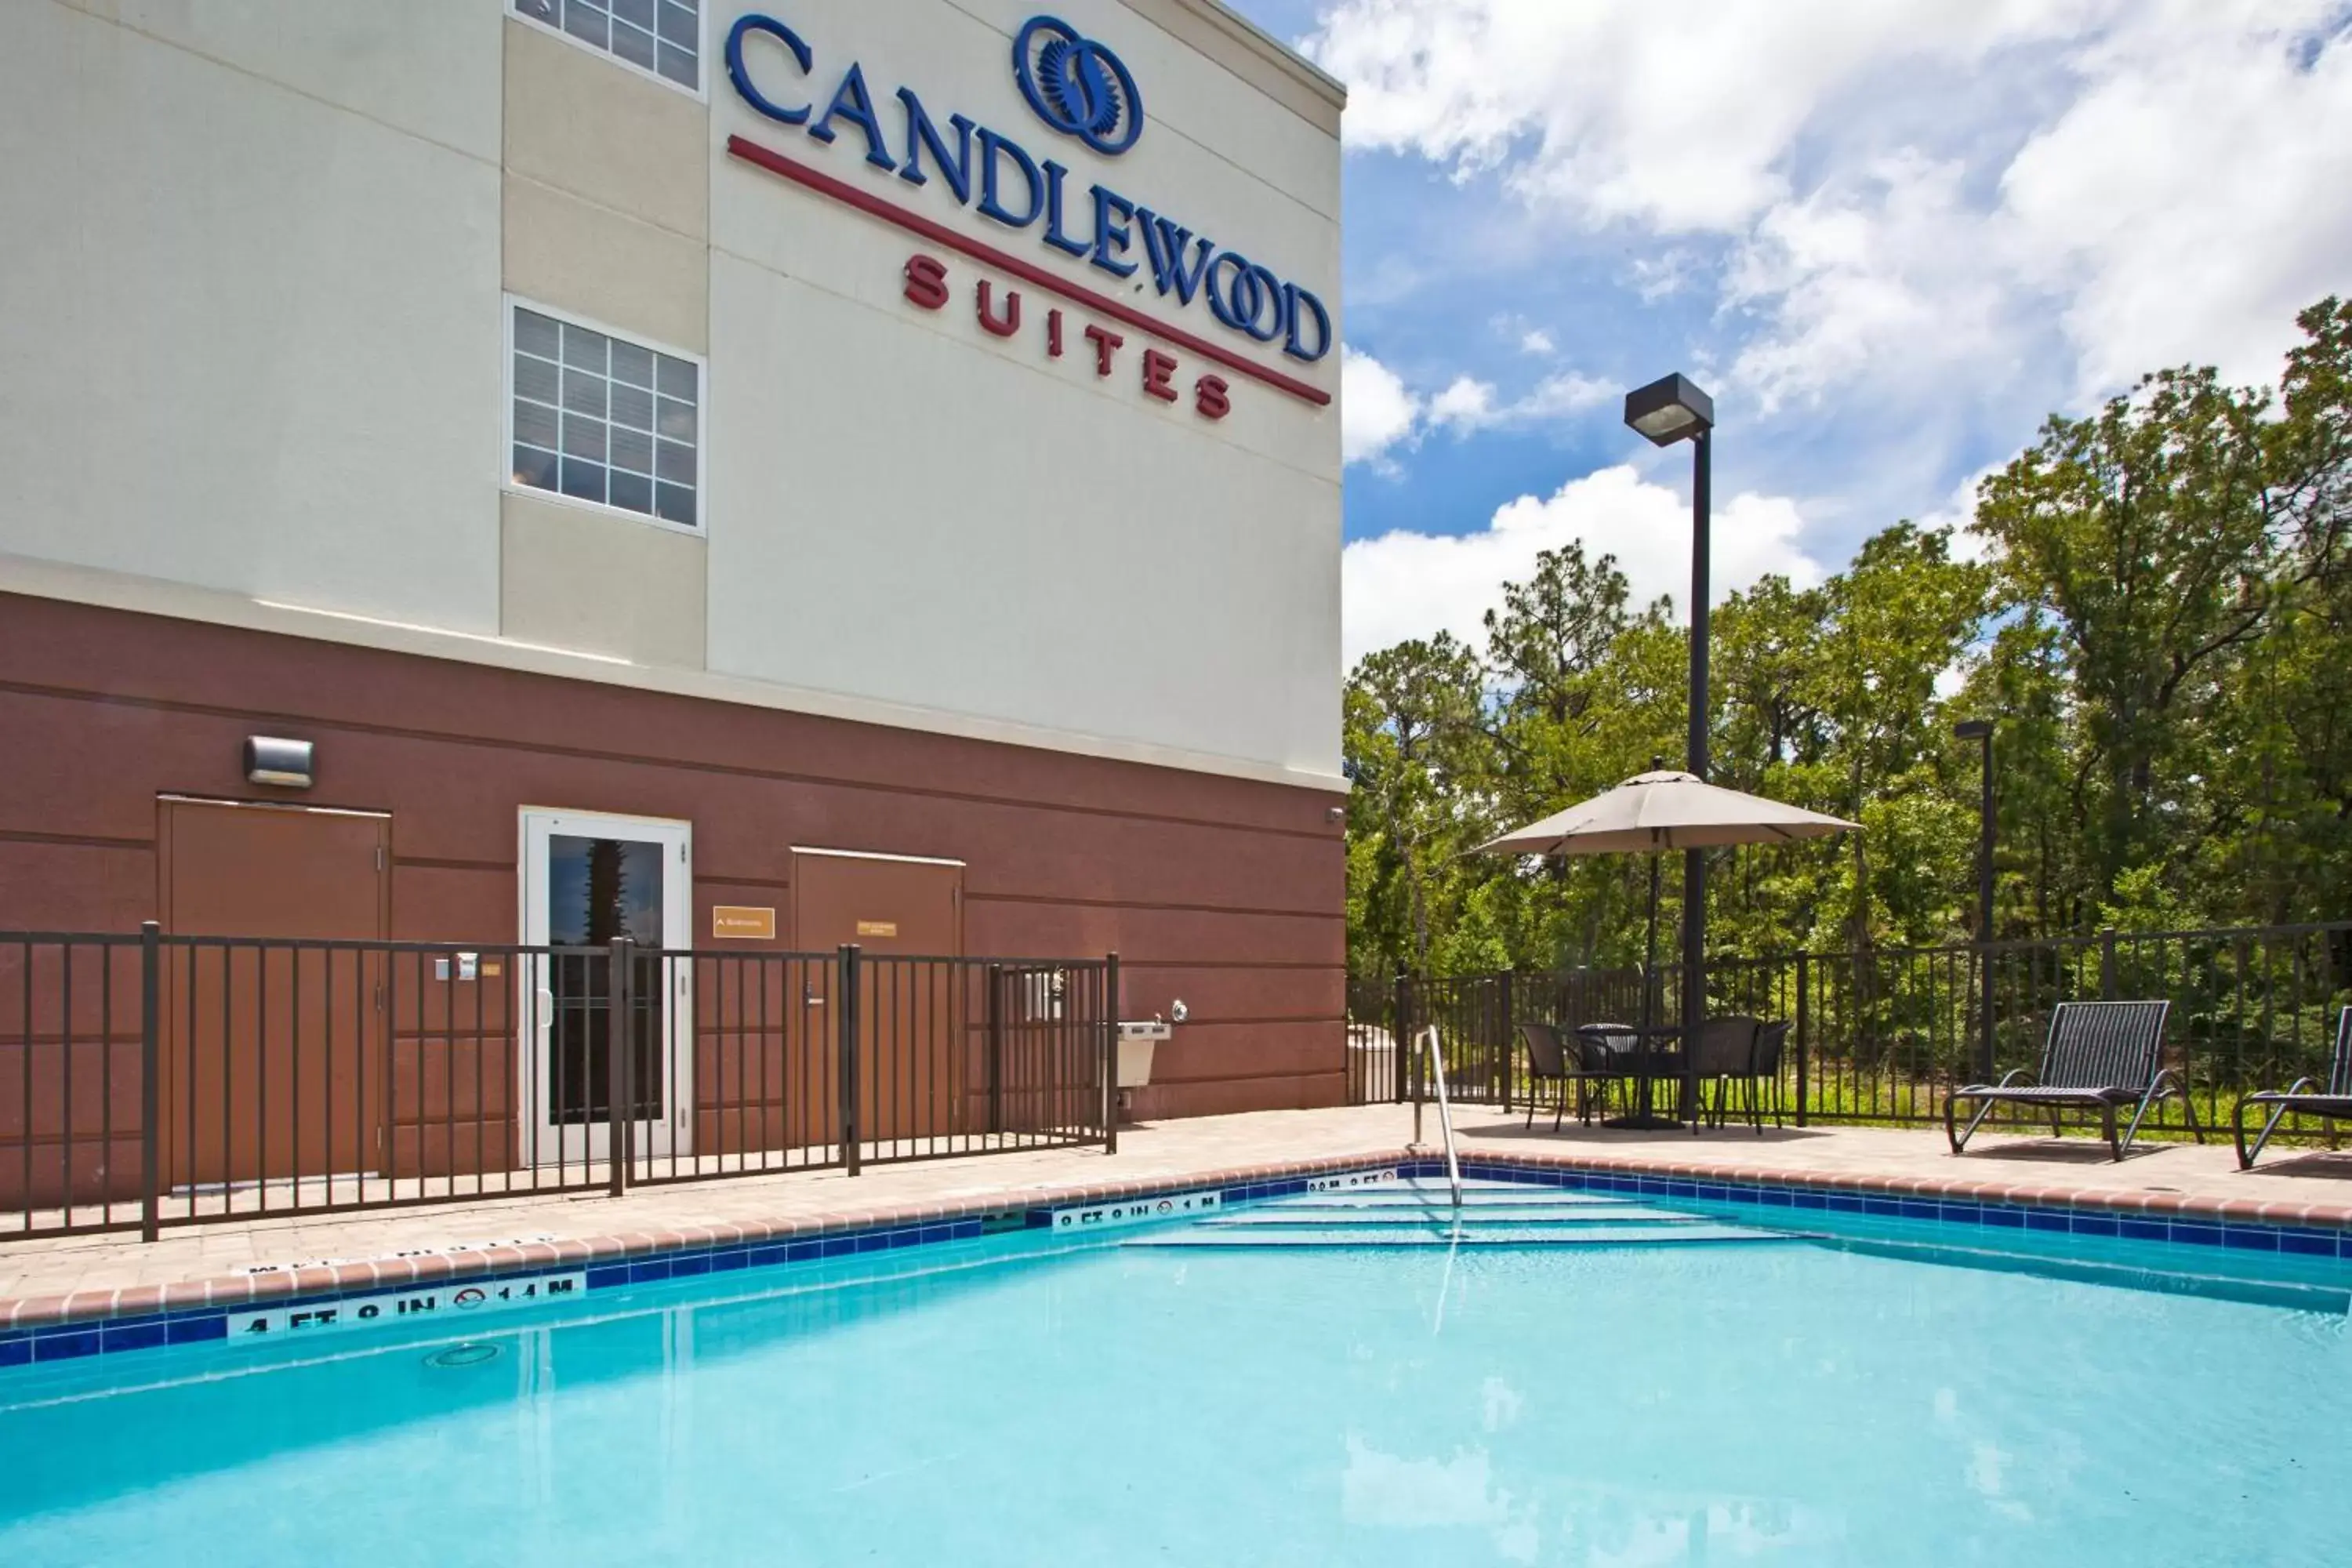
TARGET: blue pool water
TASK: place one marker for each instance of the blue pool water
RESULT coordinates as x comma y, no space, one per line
1022,1402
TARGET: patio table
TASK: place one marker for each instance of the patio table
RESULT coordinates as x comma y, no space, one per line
1645,1065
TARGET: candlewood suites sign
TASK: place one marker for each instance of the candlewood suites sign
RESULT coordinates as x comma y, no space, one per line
1077,88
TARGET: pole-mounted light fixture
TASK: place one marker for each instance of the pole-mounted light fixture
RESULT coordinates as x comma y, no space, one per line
1666,411
1670,410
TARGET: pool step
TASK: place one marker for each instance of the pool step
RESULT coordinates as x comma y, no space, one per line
1443,1215
1403,1197
1678,1234
1423,1214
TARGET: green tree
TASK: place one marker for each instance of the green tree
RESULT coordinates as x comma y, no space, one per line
2148,536
2162,630
1417,754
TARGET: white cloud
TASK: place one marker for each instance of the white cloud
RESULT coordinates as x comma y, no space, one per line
1881,274
1465,404
1470,405
1623,109
1379,415
1537,342
1414,584
1905,201
1567,393
1376,412
2193,196
1660,276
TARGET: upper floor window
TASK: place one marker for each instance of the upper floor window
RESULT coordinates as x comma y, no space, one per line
663,36
598,418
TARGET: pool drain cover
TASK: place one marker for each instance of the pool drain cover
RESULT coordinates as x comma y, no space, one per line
463,1355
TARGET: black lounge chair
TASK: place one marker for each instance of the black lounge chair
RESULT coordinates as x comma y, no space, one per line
2101,1055
2305,1097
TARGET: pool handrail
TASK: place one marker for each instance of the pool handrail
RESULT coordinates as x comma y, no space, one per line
1444,1111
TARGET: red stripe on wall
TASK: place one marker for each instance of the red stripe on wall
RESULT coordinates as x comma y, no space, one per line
939,234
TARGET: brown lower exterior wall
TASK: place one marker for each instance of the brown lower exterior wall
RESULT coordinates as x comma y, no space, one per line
1226,893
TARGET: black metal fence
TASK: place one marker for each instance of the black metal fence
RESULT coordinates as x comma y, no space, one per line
1376,1071
1883,1036
151,1080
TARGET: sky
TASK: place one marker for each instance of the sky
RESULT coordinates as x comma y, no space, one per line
1889,237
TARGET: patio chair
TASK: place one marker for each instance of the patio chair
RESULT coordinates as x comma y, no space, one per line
2304,1097
1725,1051
1610,1052
1763,1069
2100,1055
1609,1045
1553,1059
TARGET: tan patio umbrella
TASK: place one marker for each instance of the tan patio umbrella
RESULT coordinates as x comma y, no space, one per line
1658,811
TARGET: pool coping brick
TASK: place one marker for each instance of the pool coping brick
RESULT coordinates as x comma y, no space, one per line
53,1327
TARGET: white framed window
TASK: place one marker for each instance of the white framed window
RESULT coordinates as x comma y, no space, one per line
662,39
602,419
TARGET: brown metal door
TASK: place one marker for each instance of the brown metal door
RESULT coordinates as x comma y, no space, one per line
907,1078
273,1058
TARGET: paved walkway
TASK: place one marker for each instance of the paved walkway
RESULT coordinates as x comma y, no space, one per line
2316,1187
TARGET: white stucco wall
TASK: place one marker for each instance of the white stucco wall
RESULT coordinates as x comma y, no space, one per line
249,298
906,506
251,346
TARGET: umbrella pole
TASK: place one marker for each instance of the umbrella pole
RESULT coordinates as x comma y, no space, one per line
1640,1116
1650,954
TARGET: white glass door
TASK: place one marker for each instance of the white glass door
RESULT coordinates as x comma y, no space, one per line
588,880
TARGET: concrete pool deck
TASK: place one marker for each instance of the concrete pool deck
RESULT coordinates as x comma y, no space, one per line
55,1278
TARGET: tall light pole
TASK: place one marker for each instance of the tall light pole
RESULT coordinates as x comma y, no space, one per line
1982,729
1668,411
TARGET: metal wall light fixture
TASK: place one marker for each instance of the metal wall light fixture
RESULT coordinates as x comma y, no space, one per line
1667,411
275,760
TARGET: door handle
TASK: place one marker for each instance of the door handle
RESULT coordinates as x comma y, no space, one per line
546,1009
811,999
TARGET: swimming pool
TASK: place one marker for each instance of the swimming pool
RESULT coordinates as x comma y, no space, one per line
1872,1396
